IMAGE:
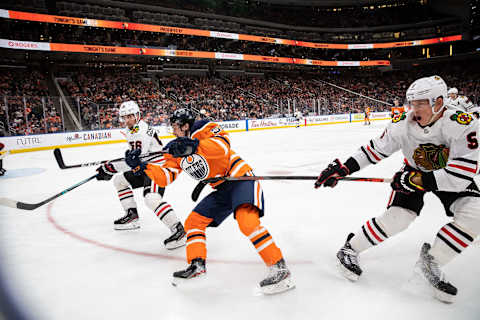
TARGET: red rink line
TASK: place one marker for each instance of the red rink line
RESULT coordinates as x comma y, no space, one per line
74,235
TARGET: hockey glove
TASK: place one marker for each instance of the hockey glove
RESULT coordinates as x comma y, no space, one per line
182,147
106,171
403,182
132,158
328,177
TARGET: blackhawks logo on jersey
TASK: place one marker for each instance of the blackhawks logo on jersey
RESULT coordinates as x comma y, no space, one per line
398,117
135,129
462,117
430,156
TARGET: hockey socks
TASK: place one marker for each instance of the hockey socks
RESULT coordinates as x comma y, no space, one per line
451,240
249,223
125,195
376,230
195,226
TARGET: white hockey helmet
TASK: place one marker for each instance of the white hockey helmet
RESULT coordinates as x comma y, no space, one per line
129,107
452,90
429,88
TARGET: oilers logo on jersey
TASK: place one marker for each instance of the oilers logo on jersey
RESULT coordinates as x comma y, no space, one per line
195,166
430,156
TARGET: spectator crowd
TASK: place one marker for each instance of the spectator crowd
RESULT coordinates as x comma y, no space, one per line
94,95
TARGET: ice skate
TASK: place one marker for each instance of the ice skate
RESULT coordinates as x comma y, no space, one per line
2,172
196,269
278,280
348,261
429,269
177,239
127,222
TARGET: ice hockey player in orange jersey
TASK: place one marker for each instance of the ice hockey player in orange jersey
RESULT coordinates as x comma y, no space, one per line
202,150
3,153
367,116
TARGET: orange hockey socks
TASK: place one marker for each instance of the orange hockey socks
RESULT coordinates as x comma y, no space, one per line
249,223
195,226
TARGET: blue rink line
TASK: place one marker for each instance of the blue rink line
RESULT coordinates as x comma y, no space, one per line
19,173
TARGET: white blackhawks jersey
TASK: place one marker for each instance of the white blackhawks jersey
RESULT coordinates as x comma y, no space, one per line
143,137
449,148
460,103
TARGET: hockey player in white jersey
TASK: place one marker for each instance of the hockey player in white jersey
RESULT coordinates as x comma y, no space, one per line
141,136
459,103
441,152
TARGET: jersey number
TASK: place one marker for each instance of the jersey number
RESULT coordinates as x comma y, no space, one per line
136,144
472,140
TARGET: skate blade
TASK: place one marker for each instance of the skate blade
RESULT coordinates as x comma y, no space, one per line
349,275
282,286
129,226
443,297
182,282
176,244
420,285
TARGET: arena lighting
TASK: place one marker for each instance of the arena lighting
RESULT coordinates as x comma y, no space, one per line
27,16
95,49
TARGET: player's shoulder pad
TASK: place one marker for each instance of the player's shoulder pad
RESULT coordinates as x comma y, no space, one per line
459,117
204,129
399,117
456,122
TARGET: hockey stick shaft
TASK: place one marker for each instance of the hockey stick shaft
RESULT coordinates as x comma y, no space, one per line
198,189
32,206
58,156
248,178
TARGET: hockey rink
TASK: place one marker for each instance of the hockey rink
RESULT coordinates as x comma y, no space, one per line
65,261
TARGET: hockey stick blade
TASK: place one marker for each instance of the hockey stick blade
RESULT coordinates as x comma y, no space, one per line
198,189
58,156
32,206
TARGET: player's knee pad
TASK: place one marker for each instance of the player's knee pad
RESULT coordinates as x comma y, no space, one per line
247,218
153,200
395,219
120,182
197,221
466,214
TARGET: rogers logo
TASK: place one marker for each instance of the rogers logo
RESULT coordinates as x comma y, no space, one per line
15,44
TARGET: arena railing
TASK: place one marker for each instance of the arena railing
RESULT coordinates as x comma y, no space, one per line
27,115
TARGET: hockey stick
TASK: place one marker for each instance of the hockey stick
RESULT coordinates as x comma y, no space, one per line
32,206
58,156
198,189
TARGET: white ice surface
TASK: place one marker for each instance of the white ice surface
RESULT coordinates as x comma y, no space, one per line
65,261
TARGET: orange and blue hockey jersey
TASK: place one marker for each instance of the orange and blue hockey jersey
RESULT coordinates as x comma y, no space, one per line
213,158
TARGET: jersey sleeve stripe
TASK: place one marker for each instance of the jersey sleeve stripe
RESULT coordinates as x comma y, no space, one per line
373,147
224,139
373,154
221,144
466,160
366,154
237,169
458,175
234,163
463,168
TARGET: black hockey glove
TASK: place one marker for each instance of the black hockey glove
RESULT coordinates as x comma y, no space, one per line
402,182
106,171
132,158
182,147
328,177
